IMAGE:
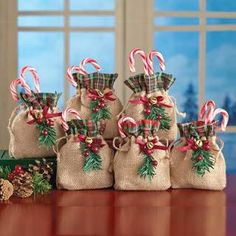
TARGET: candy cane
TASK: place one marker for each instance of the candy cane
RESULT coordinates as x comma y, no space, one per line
92,61
131,61
160,59
225,116
13,88
69,73
34,74
121,122
210,107
64,117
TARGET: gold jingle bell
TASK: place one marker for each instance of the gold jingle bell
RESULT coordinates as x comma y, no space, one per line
38,114
199,143
150,145
100,93
88,140
153,100
203,138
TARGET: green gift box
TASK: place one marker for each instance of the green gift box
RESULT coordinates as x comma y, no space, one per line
7,161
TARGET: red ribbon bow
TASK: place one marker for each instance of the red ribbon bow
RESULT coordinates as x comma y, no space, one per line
146,101
45,115
96,94
150,146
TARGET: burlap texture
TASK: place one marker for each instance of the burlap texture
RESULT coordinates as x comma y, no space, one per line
24,141
81,103
127,162
70,174
136,112
183,176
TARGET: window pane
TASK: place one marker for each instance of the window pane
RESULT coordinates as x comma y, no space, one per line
92,21
180,50
176,5
221,5
48,21
217,21
229,151
176,21
100,46
221,71
43,51
37,5
92,4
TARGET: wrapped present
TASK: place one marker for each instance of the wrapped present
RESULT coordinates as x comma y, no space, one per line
95,97
33,125
197,160
150,99
141,161
84,161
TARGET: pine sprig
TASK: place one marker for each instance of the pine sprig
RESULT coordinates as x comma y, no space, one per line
101,114
40,185
202,161
147,169
92,162
4,172
46,140
164,118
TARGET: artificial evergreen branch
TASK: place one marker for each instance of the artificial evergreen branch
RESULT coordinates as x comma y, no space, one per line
99,113
40,185
92,162
4,172
147,169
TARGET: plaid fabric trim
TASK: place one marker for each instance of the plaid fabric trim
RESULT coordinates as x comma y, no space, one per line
85,127
150,84
95,80
39,100
196,129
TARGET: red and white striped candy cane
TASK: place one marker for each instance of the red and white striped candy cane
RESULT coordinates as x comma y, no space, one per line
89,60
35,75
207,111
131,61
69,73
13,88
160,59
225,116
64,117
121,122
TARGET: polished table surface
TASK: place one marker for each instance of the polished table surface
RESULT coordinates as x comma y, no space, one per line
109,212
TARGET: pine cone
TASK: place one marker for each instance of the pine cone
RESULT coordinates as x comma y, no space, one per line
6,189
23,185
42,167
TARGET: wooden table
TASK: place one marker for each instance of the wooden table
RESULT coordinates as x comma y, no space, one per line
109,212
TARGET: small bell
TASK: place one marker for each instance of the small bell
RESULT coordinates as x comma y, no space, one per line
100,93
153,100
150,145
38,114
88,140
199,143
203,138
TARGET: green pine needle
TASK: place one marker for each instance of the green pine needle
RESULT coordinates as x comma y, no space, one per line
4,172
92,162
40,185
201,166
102,114
147,169
159,111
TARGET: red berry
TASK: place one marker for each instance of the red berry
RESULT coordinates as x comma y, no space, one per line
95,109
44,132
49,122
102,105
147,110
89,145
39,121
95,149
154,163
10,176
159,117
94,99
86,153
199,158
18,167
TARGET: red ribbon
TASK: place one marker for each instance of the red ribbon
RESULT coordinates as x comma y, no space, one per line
145,100
93,94
148,151
191,145
96,142
45,114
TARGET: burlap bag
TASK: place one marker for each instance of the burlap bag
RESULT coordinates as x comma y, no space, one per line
154,89
100,84
24,137
129,159
183,174
71,167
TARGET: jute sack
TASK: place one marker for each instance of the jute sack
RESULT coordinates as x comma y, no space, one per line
142,162
150,100
197,160
35,126
96,99
84,161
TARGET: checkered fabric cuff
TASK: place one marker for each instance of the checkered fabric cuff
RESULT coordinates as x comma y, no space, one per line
95,80
39,100
150,84
85,127
196,129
